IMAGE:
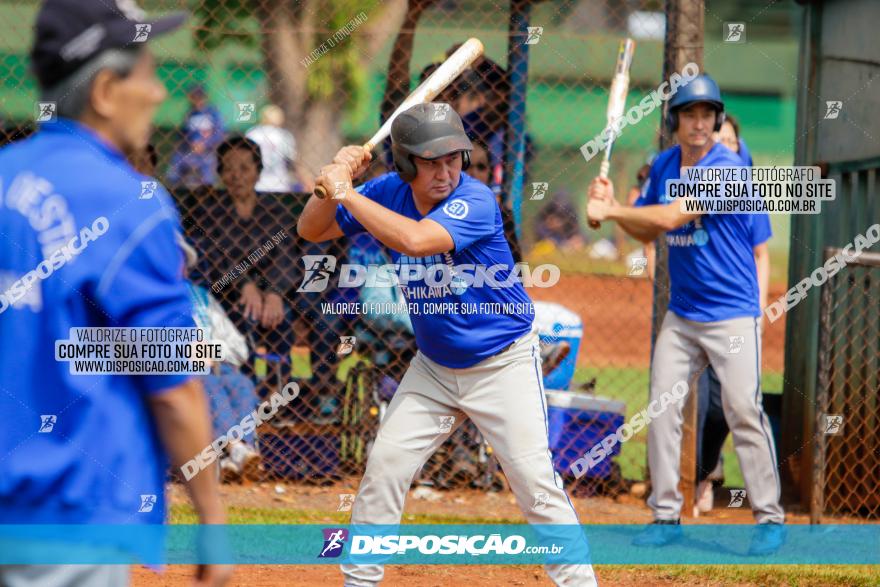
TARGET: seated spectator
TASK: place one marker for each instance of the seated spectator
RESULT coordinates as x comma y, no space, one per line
463,94
232,394
193,163
242,242
468,93
487,94
479,170
557,227
279,154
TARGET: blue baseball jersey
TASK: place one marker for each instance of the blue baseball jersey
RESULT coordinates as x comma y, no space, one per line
456,339
81,448
712,269
761,231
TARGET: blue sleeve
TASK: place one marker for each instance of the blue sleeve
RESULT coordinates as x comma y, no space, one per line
468,217
761,231
649,196
374,190
142,284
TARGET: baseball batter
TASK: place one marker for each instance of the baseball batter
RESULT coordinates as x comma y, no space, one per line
482,366
713,308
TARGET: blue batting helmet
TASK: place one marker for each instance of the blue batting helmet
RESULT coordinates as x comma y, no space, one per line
701,89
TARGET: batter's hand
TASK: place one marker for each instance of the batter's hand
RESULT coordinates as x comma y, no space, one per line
602,189
335,179
597,210
355,157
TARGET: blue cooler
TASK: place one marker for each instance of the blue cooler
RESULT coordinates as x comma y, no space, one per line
578,422
557,323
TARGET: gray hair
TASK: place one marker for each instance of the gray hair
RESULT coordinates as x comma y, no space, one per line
72,95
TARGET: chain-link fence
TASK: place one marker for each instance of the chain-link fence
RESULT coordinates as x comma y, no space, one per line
847,434
299,80
348,366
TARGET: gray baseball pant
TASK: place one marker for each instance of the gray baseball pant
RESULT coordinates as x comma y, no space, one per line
64,575
733,347
503,395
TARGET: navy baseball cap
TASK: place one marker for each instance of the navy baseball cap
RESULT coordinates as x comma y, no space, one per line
69,33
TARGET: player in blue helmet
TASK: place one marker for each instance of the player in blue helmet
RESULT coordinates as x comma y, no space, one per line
714,305
482,364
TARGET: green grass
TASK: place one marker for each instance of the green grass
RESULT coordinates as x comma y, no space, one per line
764,575
185,514
773,575
579,262
630,385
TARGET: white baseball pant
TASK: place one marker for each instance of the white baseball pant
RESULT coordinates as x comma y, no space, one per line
733,347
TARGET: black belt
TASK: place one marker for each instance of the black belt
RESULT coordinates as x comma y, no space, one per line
505,349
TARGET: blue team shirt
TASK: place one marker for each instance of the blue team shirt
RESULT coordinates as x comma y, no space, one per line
473,219
712,269
103,453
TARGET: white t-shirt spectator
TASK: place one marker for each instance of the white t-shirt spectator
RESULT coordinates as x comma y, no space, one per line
279,149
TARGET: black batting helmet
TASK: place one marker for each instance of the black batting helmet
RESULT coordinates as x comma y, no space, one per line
428,131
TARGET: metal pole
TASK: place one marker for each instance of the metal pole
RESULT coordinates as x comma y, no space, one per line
517,75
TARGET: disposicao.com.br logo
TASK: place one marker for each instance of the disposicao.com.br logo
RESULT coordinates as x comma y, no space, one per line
431,544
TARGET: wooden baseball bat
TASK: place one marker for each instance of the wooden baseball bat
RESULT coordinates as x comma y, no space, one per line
444,75
616,103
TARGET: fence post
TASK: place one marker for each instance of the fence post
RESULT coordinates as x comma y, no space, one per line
823,382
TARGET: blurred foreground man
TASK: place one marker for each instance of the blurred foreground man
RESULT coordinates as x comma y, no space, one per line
82,246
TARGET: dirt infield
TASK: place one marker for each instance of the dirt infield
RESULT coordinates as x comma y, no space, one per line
616,312
318,505
420,575
484,576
